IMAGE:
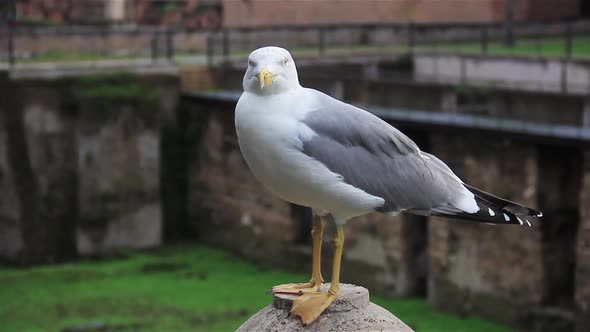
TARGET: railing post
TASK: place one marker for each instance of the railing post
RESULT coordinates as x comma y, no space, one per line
410,33
210,49
484,39
169,43
11,15
322,40
154,45
568,39
225,44
509,23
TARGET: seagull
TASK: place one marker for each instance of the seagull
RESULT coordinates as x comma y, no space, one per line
342,161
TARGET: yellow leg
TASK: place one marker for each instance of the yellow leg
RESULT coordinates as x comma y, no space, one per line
310,306
317,232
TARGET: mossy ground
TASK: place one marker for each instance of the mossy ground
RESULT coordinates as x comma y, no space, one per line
180,288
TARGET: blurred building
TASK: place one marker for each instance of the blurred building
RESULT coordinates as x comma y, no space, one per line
274,12
186,13
214,13
60,11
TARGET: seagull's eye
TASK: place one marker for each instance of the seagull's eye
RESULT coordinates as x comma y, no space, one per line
285,61
251,63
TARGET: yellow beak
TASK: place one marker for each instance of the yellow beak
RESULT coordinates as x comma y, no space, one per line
265,77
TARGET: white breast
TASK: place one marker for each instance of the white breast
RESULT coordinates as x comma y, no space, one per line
270,135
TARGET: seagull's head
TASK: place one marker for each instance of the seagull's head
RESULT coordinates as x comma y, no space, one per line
271,70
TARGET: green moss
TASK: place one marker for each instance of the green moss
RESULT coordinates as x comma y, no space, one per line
115,87
106,94
170,7
402,62
88,158
205,290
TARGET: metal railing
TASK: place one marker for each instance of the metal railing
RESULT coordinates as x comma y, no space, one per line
557,38
40,44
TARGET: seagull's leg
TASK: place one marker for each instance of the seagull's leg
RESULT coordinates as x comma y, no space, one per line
309,306
316,281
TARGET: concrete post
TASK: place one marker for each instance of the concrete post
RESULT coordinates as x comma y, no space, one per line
352,311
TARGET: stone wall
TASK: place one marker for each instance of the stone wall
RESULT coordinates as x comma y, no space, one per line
93,143
583,252
10,240
226,203
505,72
476,267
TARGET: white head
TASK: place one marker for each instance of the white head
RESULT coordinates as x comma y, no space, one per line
271,70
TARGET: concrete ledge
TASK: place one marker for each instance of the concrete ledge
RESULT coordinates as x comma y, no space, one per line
52,71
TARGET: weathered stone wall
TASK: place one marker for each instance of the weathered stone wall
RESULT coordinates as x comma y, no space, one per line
226,203
227,206
507,72
476,267
94,149
10,240
582,286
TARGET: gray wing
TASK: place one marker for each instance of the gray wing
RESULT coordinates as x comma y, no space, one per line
372,155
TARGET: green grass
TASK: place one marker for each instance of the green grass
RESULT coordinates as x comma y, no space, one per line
552,47
183,288
60,56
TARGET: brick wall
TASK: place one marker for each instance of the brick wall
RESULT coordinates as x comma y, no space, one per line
546,9
277,12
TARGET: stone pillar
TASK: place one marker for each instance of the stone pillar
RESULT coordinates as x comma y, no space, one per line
42,157
11,242
582,287
351,311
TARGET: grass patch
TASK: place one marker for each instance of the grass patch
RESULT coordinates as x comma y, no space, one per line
181,288
101,97
69,56
552,47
